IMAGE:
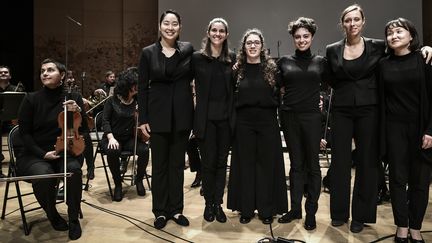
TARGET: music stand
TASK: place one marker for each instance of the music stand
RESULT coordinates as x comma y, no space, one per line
9,105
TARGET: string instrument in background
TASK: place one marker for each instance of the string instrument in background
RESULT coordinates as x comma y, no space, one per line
69,121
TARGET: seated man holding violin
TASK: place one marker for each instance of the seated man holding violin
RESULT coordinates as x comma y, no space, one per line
41,132
120,133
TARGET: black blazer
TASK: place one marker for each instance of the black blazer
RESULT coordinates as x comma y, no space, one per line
165,102
200,64
350,91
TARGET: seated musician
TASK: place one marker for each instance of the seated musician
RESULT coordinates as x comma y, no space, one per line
6,86
104,90
119,122
39,129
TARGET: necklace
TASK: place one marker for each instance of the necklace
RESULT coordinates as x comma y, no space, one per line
123,101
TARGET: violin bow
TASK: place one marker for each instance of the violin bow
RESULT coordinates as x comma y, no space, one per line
135,151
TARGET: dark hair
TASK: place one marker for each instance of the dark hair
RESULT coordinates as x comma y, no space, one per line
206,43
125,81
350,9
60,66
409,26
268,65
169,11
302,22
4,66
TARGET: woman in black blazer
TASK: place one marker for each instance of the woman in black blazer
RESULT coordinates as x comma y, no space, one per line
353,63
214,87
165,115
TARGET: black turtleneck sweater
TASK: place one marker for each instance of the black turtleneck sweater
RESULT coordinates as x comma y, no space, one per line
254,90
401,78
302,75
37,119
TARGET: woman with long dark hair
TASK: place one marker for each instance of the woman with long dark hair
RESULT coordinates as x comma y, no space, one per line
214,88
257,173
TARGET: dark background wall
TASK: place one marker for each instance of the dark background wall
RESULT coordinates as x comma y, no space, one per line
114,31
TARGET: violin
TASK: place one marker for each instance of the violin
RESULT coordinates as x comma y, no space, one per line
138,133
70,137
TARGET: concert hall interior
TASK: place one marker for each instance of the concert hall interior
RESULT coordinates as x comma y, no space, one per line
91,37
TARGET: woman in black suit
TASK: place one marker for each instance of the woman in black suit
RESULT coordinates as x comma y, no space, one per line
257,173
166,114
214,98
353,63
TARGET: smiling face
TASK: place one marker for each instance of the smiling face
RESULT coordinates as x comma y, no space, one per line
399,39
302,39
253,46
169,27
217,34
353,23
50,75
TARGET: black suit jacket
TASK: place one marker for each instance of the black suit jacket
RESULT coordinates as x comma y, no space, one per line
350,91
165,102
202,76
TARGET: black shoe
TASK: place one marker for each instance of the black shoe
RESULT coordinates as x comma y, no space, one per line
74,230
416,241
400,239
337,222
181,220
245,220
201,191
160,222
219,213
90,174
356,227
209,215
267,220
197,181
59,223
310,222
140,188
118,193
123,165
290,216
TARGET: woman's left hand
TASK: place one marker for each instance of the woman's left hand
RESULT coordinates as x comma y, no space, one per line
72,105
427,141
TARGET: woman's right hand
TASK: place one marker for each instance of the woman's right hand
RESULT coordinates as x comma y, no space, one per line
145,128
51,155
113,143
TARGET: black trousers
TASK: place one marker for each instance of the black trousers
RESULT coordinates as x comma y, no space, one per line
257,174
168,158
113,157
194,155
360,123
407,169
215,147
302,132
45,189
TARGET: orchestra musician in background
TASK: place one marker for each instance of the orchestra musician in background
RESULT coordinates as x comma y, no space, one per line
6,86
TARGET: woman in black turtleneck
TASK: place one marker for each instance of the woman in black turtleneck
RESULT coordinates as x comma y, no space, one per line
406,95
302,74
39,129
257,174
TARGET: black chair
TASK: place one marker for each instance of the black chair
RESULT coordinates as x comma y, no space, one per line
15,147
